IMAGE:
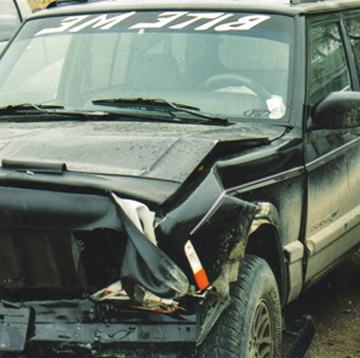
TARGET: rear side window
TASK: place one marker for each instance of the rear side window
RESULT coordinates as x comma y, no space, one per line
328,71
9,19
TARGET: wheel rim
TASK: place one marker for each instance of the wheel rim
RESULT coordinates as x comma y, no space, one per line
262,332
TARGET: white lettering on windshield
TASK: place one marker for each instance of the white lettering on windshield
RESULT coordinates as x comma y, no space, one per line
103,22
196,17
212,23
71,24
163,19
64,25
244,23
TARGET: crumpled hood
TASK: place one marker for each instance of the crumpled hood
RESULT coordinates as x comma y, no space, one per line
163,151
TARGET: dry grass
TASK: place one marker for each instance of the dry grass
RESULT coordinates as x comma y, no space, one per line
38,4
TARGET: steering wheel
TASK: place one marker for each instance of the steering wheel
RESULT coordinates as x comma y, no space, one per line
224,80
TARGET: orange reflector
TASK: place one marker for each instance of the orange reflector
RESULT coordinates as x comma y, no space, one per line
201,279
196,267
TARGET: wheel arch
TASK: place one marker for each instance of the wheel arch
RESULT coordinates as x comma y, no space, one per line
265,241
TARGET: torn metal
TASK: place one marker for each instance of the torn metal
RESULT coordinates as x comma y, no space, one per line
115,261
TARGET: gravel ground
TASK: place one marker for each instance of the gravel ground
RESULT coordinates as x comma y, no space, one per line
334,304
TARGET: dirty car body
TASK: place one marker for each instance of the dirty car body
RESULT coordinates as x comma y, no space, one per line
147,148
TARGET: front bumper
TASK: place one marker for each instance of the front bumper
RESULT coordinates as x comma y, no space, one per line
82,328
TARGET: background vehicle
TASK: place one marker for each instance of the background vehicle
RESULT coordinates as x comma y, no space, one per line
151,205
12,13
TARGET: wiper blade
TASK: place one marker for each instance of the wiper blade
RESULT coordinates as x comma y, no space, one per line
47,110
160,104
28,107
145,101
40,112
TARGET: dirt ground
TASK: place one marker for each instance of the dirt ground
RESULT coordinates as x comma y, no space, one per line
334,304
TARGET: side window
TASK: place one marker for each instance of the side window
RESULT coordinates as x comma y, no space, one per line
328,70
354,33
9,19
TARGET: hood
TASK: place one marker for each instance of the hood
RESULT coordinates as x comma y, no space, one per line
161,151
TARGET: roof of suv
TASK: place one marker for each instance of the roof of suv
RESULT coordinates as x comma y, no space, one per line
265,6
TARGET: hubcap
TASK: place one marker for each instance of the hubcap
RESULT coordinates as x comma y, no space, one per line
262,332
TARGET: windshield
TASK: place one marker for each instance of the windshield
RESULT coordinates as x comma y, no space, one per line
230,64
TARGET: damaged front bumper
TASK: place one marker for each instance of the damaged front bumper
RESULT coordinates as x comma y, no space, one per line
81,328
60,246
87,329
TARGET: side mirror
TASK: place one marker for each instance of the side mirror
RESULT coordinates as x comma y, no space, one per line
338,110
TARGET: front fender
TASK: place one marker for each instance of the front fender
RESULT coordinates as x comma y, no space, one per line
213,220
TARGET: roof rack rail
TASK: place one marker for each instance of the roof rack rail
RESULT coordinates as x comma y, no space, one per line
57,3
298,2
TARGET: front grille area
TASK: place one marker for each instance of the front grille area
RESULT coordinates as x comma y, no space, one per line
101,256
50,264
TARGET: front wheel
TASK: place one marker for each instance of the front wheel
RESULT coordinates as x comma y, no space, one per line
251,326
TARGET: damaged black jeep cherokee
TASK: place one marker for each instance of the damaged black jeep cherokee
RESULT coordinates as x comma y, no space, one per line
173,172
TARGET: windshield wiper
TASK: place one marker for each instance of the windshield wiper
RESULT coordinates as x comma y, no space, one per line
160,104
46,109
28,107
29,112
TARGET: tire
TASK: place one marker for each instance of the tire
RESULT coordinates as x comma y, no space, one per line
251,326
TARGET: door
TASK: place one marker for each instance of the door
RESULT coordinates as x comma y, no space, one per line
328,156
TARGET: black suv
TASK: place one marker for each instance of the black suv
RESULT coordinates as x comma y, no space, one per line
174,172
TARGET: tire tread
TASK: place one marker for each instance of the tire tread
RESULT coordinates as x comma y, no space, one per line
224,336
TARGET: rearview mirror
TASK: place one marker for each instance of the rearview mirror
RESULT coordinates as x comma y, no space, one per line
338,110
